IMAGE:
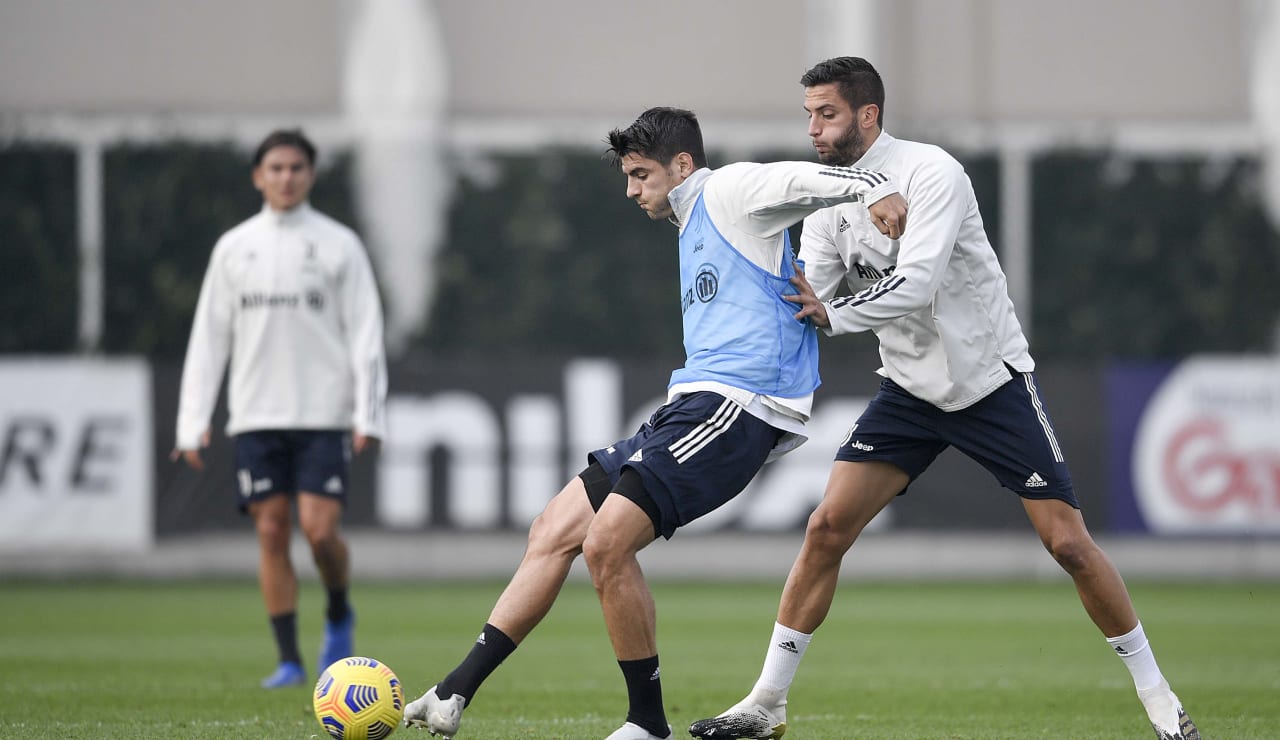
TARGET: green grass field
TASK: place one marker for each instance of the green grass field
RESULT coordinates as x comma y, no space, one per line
911,660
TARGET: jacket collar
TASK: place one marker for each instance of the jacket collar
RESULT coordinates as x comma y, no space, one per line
291,217
683,196
877,156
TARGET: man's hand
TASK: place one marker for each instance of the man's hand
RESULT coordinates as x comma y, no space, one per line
362,442
810,307
889,214
192,457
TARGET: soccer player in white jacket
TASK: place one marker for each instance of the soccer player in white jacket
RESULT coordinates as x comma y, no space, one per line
956,373
289,297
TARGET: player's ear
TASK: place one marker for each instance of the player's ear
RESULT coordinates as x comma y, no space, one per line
868,115
684,164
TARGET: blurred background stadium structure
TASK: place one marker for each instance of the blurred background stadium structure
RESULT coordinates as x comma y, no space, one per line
1126,154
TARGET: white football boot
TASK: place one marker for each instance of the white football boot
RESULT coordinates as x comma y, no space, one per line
632,731
746,719
438,716
1168,718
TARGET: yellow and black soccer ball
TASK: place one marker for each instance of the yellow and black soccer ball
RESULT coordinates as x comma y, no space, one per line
359,699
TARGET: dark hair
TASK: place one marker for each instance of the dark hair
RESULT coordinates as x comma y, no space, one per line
286,137
859,83
659,134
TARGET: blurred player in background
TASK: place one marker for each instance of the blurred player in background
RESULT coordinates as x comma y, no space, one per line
741,399
957,373
290,298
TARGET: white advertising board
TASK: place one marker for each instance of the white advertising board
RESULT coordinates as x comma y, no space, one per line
469,427
1207,451
76,456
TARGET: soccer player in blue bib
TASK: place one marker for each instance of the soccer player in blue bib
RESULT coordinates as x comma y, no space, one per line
957,372
741,399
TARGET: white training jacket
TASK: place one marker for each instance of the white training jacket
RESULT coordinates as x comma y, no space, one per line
936,298
752,205
291,299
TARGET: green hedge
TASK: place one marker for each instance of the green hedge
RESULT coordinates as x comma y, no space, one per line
1150,259
550,255
166,206
544,254
39,257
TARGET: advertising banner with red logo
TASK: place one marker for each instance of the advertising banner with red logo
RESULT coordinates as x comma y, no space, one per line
1197,446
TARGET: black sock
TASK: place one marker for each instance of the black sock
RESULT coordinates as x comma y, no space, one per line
339,607
491,648
644,691
285,628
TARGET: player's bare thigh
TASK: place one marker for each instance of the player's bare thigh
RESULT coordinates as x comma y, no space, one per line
271,520
1060,525
855,493
562,525
319,516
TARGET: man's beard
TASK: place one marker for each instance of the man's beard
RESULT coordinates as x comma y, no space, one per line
846,150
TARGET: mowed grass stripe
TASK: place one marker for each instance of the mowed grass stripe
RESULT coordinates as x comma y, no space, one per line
907,660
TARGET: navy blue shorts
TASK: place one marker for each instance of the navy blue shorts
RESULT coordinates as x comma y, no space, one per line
286,461
1008,432
693,455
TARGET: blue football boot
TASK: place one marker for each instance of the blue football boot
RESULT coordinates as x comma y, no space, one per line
339,638
287,674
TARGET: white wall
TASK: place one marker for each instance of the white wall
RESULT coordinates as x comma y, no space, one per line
971,60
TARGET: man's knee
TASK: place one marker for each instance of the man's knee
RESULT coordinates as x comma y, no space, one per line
273,529
595,551
1074,551
553,535
856,492
323,539
322,532
562,526
617,533
1063,532
601,549
829,532
607,557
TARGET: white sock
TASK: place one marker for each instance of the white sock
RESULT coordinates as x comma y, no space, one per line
1138,657
780,663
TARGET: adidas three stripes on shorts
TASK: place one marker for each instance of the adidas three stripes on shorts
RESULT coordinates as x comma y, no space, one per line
1009,433
693,455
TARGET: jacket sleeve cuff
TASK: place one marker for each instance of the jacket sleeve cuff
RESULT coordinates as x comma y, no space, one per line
187,440
839,323
879,192
369,431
